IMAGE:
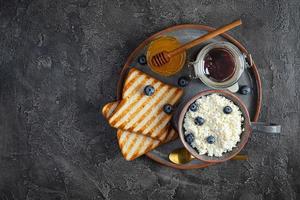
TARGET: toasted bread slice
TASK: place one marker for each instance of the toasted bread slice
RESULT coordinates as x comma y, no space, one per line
132,145
108,109
144,114
135,145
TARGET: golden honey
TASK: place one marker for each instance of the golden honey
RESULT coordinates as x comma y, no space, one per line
166,43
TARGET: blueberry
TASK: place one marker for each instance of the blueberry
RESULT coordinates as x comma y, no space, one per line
227,110
183,81
149,90
210,139
193,107
142,60
189,138
168,108
245,90
199,121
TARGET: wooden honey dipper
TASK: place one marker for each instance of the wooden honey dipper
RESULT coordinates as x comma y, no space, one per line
164,57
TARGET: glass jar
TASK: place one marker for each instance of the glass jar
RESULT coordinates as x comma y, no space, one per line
166,43
239,65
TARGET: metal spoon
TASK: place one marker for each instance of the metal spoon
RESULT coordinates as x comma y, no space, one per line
182,156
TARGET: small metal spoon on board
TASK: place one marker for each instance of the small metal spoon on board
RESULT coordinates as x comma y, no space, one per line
182,156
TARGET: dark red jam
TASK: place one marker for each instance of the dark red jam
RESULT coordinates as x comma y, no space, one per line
219,65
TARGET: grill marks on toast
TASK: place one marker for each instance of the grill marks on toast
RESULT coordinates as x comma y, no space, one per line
121,135
165,118
160,117
151,112
128,141
132,145
137,82
136,145
132,108
131,87
128,105
142,144
145,110
132,74
146,105
137,110
131,77
108,109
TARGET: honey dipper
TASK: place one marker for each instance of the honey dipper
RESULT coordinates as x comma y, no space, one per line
164,57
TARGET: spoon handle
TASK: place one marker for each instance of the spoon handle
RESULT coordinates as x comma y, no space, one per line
240,157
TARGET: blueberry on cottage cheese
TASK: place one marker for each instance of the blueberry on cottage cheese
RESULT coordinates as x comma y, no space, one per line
168,108
149,90
183,81
227,110
210,139
189,138
142,60
199,121
193,107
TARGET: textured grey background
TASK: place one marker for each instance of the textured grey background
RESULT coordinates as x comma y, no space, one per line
59,63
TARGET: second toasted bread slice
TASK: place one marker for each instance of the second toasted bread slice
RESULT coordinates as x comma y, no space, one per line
133,145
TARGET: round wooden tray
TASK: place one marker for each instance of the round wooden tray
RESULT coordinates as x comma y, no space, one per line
185,33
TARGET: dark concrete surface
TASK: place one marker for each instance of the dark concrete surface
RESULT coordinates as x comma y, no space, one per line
59,63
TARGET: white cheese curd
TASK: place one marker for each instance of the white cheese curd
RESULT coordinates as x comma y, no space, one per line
225,128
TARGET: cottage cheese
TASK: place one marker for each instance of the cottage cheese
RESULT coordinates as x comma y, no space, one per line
226,128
